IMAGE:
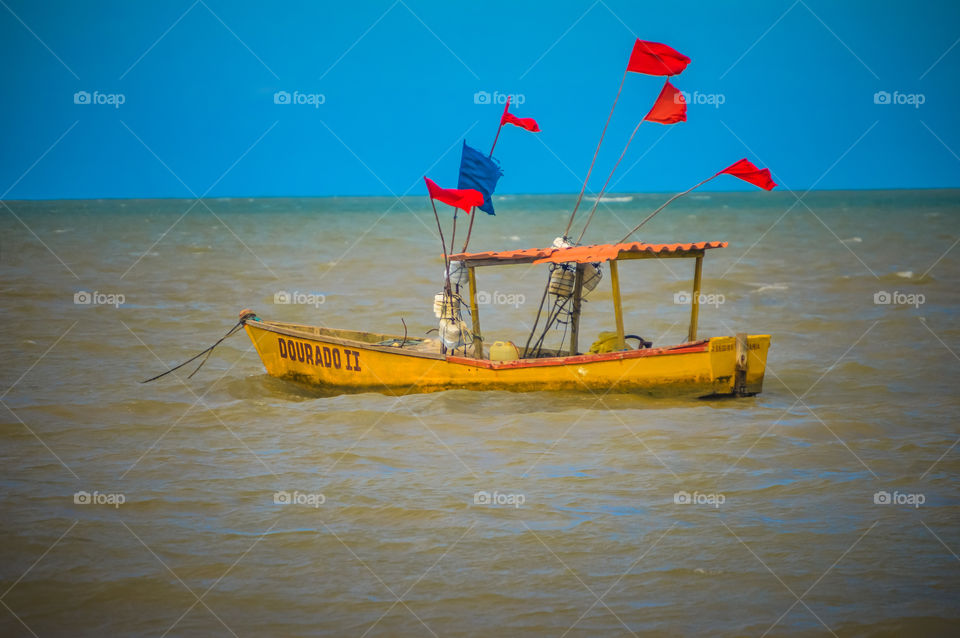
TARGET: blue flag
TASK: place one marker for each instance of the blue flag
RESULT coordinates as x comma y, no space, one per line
480,172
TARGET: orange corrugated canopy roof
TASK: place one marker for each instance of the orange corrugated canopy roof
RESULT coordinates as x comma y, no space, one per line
583,254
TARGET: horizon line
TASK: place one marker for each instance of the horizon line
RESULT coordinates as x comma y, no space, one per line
388,196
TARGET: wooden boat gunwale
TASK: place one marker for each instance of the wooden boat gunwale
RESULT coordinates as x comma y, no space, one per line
539,362
681,348
271,326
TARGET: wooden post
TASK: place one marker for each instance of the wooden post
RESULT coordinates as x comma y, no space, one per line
695,300
741,366
617,307
475,314
575,313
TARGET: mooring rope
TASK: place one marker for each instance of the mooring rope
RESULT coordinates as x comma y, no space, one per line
207,352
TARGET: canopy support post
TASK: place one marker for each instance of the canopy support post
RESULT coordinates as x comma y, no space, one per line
695,300
575,313
617,306
475,313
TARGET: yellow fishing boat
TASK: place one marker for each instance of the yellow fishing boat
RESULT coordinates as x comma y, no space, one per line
459,358
356,361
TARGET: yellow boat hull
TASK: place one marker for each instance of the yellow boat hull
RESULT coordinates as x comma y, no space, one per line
353,361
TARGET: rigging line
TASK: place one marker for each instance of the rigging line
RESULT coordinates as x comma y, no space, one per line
536,321
558,308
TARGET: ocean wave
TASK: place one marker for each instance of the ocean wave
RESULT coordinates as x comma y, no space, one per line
762,287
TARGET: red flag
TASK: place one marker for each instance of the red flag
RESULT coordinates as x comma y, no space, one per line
523,122
464,198
654,58
669,108
746,171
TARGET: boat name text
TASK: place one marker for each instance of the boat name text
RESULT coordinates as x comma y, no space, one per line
323,356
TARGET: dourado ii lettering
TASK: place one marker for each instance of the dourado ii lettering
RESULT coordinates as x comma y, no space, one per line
322,356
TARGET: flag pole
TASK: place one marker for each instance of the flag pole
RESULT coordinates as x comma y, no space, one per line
595,153
446,270
609,177
446,260
473,215
664,205
614,170
453,235
573,214
473,211
506,107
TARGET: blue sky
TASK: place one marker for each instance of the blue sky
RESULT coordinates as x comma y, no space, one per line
398,82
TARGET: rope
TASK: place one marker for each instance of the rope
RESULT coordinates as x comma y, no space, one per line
207,352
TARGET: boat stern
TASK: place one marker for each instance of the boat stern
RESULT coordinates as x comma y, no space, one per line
739,363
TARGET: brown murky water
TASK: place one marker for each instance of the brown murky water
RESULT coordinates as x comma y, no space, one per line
237,504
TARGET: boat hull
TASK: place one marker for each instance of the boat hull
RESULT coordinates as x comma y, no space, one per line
351,361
